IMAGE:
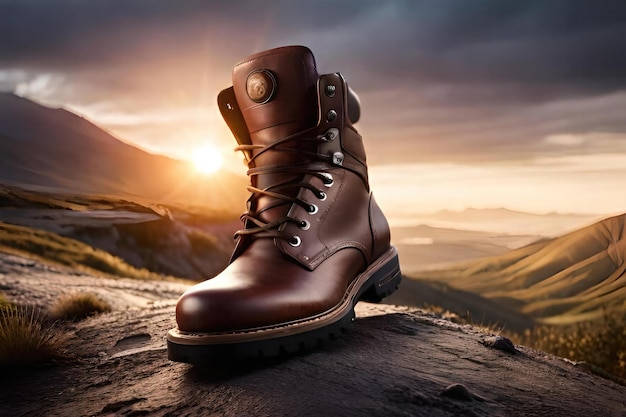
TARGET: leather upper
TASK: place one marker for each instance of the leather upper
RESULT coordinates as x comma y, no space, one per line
274,280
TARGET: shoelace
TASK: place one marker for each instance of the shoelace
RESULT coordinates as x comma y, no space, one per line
270,229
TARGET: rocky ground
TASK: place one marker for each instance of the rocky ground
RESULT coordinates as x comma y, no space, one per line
395,361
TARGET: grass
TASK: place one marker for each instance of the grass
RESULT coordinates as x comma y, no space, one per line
600,344
491,328
78,306
3,302
48,246
201,242
27,338
155,249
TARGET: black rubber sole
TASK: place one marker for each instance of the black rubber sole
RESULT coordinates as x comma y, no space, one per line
384,281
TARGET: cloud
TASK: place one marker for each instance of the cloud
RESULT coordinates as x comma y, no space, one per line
532,51
567,184
557,47
566,140
41,85
444,80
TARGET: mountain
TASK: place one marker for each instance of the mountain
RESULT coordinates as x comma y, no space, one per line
425,247
115,236
569,279
54,149
501,220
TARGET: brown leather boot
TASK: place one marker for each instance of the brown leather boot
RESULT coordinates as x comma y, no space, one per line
315,242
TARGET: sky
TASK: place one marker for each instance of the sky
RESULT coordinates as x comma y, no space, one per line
485,103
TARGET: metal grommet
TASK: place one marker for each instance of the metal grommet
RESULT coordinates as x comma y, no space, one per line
312,209
304,225
331,134
295,241
330,90
331,116
329,181
322,196
338,158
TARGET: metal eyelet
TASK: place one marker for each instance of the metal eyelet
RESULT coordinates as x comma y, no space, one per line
312,209
304,225
322,196
337,158
295,241
331,134
328,181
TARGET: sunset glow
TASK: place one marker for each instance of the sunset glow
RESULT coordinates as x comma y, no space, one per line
207,159
567,184
454,116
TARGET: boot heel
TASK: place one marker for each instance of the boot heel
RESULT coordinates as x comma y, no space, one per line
385,280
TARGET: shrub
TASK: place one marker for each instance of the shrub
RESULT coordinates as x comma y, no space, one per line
78,306
26,338
602,345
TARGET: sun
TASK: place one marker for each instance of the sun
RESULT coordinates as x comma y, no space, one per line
207,159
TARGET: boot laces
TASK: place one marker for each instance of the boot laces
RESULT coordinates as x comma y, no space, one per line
256,227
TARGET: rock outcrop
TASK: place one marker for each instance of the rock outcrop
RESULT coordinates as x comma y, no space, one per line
395,361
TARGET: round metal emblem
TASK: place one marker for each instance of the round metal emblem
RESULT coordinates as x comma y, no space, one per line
261,86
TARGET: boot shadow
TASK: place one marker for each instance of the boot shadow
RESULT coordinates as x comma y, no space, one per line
365,333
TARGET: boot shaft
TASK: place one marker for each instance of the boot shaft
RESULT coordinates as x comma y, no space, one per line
278,93
296,130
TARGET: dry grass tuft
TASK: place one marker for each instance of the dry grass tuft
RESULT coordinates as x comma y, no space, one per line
600,344
78,306
26,337
3,302
491,328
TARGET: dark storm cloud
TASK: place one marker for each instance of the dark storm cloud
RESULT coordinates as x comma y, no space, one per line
69,34
445,75
66,33
146,43
545,48
535,50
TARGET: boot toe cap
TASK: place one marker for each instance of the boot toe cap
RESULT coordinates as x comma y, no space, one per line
201,311
263,288
211,311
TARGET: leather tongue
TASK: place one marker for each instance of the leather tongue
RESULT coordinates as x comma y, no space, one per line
276,93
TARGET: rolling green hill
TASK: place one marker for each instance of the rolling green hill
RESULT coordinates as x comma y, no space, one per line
573,278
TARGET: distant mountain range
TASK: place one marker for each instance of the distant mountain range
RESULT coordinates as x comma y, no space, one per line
55,150
564,280
502,220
